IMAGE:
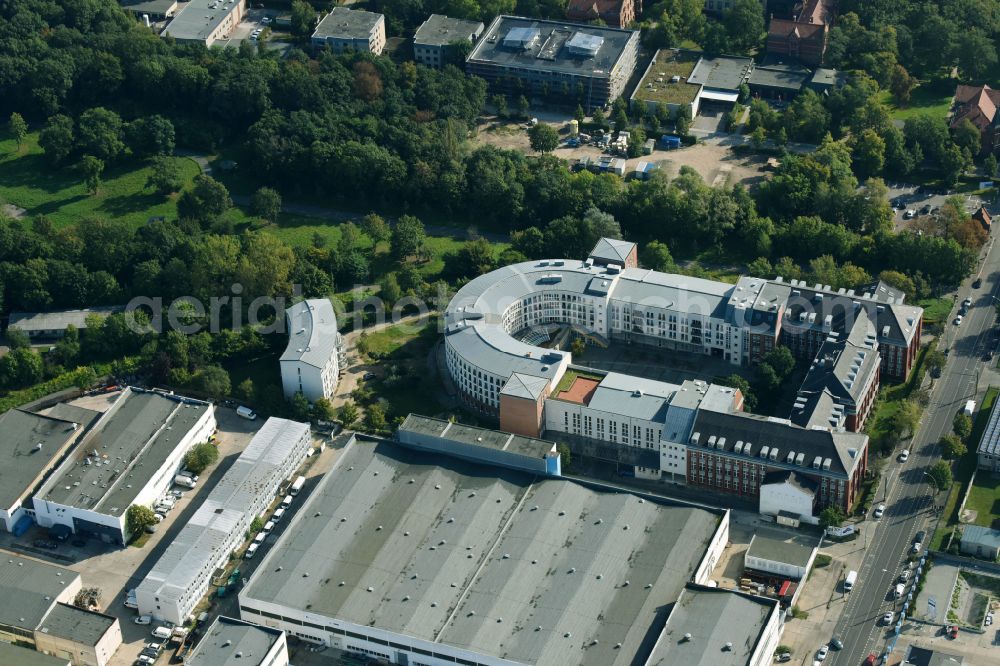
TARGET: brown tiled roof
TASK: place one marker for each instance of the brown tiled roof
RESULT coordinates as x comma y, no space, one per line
983,217
785,28
977,104
587,10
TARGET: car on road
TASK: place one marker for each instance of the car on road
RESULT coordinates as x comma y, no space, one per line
915,548
143,619
904,455
822,652
920,536
836,643
977,283
958,320
871,659
879,510
952,631
967,302
887,618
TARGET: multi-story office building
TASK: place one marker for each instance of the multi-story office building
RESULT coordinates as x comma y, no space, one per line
438,35
346,29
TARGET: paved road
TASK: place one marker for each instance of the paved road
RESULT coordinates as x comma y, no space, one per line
910,497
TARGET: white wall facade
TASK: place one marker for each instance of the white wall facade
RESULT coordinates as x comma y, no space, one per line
674,327
777,497
769,640
313,382
713,553
578,419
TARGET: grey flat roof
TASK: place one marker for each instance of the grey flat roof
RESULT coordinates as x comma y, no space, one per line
199,19
132,443
632,396
776,76
440,30
491,439
548,51
59,320
475,557
828,77
28,589
524,386
347,24
230,642
721,73
984,536
794,550
15,655
21,462
989,444
76,624
713,618
156,7
312,332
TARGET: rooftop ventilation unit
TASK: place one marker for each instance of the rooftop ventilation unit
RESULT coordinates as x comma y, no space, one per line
800,458
521,38
764,451
711,441
790,458
739,446
774,454
746,449
826,463
721,443
817,462
583,44
695,437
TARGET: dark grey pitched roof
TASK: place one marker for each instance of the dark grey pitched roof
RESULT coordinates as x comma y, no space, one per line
801,482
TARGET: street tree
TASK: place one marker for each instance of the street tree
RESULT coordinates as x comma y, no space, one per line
940,474
952,447
831,516
962,425
347,414
137,518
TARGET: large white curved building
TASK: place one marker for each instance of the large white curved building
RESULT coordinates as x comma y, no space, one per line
500,327
311,362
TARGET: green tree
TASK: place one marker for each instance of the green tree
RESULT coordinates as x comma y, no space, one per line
620,117
744,24
266,204
499,103
165,175
245,390
84,377
91,168
990,165
137,518
656,256
578,346
579,114
952,447
389,290
205,201
18,128
543,138
868,154
100,133
966,136
213,380
375,418
682,121
597,117
523,107
831,516
347,414
901,84
323,410
565,455
954,162
408,237
17,339
150,135
299,406
303,19
940,473
57,139
904,422
256,525
740,382
376,228
962,425
757,137
200,457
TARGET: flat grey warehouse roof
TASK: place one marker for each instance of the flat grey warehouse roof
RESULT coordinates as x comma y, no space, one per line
13,655
347,23
131,444
230,642
571,48
440,30
28,445
793,550
483,559
76,624
491,439
199,19
33,584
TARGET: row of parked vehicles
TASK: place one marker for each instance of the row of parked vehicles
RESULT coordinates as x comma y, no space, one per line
276,517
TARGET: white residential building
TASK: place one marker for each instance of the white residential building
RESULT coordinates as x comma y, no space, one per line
130,456
346,29
181,576
311,362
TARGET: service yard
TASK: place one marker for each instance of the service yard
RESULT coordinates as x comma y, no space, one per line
716,164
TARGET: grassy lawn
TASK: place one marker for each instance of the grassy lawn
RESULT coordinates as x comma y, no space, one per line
932,97
890,399
570,376
27,181
406,385
936,309
984,499
978,498
391,339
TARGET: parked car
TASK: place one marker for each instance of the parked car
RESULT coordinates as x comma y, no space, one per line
368,376
977,283
836,643
143,619
822,652
783,657
967,302
904,576
910,214
150,529
958,320
926,209
147,652
45,543
952,631
879,510
888,618
904,455
871,659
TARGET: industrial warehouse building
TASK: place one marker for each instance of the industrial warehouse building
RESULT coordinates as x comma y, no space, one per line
498,327
712,627
53,325
129,456
536,57
310,364
31,446
427,560
181,576
346,29
229,642
205,21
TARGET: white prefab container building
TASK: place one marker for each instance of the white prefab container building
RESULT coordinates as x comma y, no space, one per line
130,456
182,575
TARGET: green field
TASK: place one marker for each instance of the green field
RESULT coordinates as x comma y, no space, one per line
391,339
933,98
936,309
27,181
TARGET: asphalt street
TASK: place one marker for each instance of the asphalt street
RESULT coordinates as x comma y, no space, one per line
910,496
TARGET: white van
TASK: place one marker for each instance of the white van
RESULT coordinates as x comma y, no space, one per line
268,526
277,515
852,578
297,486
287,502
900,590
161,632
251,551
259,539
246,413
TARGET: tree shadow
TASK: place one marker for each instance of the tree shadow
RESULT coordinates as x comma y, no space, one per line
32,171
122,205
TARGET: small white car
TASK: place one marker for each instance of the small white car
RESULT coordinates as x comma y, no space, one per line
823,651
143,619
904,576
879,510
904,455
967,302
910,214
888,618
958,320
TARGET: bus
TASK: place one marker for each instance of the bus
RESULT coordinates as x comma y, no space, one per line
852,578
297,486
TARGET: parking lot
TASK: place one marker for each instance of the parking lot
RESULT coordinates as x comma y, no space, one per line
922,202
251,29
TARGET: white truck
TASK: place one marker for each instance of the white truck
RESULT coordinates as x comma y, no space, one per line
970,407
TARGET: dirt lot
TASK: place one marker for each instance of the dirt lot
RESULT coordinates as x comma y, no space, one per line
716,164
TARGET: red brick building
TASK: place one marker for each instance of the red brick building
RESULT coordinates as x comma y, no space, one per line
803,36
615,13
978,105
